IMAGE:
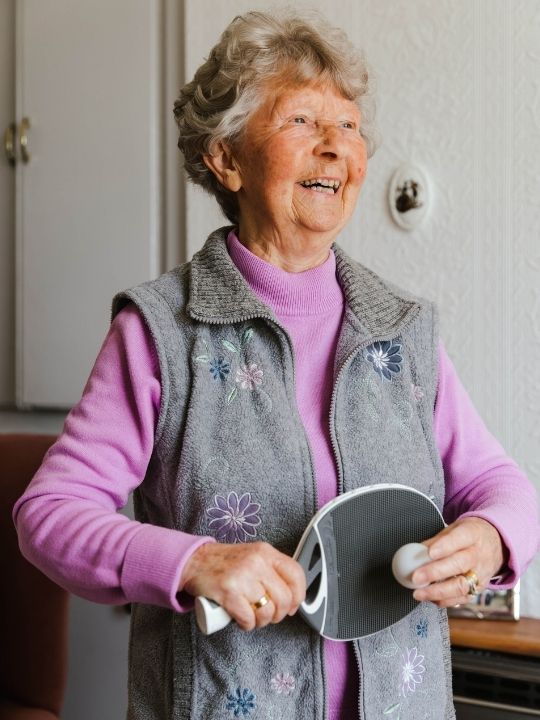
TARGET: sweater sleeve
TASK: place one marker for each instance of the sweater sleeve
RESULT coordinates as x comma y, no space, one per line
481,480
67,519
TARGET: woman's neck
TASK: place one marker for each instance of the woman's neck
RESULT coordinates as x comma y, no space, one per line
294,254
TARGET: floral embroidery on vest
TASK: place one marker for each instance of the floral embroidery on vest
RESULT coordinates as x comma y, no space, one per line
385,357
250,376
233,519
422,628
392,709
247,376
283,683
385,644
411,671
243,702
219,368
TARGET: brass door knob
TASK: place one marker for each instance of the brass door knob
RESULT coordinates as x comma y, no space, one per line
23,139
9,144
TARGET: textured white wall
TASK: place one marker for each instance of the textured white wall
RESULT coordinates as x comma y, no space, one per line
459,94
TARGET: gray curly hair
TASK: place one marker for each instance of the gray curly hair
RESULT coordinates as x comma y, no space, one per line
255,49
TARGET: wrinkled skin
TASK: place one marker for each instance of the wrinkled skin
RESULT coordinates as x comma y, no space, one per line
300,133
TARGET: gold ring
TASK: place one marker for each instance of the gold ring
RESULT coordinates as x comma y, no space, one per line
261,602
472,580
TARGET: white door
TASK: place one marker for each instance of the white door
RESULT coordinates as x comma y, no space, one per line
87,218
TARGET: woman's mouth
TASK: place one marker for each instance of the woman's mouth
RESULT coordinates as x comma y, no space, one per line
328,186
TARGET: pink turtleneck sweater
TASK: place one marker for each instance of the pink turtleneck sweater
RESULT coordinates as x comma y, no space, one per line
67,520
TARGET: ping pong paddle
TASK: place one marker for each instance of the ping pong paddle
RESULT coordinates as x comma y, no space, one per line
346,552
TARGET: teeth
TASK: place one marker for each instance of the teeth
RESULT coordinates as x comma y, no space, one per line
321,184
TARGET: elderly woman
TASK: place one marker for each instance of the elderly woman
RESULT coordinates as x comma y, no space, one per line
241,391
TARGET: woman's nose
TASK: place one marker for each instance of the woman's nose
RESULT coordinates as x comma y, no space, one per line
330,141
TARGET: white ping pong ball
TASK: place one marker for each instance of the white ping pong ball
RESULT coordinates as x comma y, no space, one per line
406,560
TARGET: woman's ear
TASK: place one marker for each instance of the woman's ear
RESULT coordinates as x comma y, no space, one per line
221,162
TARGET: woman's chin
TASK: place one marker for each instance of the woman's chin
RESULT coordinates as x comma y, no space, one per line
321,213
323,225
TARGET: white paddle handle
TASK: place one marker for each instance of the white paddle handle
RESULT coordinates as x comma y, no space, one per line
408,559
211,617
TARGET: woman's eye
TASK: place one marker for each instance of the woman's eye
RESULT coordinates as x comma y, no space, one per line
299,120
347,125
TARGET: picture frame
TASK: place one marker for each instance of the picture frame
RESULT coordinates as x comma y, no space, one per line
490,605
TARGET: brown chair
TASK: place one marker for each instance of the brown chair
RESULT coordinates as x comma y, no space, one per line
33,609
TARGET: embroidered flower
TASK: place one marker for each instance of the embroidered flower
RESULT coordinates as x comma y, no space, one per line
283,683
250,376
422,628
234,519
412,671
417,392
385,357
385,643
243,702
219,368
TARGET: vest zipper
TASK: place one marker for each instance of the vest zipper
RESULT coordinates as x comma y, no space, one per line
315,494
333,439
332,419
359,664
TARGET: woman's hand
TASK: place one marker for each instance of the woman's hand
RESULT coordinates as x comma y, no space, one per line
236,576
467,544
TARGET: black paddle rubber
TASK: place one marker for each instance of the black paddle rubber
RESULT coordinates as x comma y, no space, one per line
355,540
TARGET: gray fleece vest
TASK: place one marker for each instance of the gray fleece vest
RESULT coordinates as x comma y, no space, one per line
231,459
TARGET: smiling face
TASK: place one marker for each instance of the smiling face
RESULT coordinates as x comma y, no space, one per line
298,167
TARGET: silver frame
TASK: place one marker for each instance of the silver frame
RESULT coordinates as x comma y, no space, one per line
490,605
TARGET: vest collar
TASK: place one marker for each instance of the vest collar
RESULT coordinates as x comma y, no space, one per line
219,294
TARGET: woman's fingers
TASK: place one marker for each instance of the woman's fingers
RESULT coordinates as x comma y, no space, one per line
446,590
434,572
264,615
292,573
280,597
460,535
285,584
468,544
242,611
452,602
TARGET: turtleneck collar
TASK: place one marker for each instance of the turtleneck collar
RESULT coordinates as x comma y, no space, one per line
311,292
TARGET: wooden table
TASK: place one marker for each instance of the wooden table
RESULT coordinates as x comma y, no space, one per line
507,636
